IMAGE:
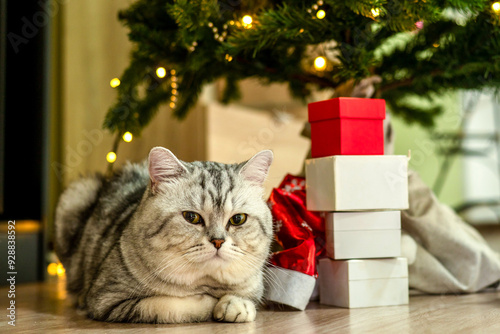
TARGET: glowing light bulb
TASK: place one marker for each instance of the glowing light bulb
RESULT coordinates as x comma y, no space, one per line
172,105
60,270
127,137
375,12
320,14
172,72
161,72
320,63
247,21
115,82
52,269
496,7
111,157
228,57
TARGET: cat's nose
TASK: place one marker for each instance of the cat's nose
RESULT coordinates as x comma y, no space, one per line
217,242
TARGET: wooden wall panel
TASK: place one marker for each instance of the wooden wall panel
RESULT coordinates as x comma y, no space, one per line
95,48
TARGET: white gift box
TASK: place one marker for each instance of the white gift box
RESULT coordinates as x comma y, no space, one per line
363,283
358,235
289,287
357,182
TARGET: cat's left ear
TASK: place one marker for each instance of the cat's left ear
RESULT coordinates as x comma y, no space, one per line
257,168
163,167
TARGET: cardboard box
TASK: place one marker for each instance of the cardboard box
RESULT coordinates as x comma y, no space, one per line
363,283
359,235
356,183
347,126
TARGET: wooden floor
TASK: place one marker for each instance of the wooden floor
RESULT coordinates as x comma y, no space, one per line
43,308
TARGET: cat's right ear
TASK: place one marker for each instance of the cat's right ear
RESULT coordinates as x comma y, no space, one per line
164,167
256,169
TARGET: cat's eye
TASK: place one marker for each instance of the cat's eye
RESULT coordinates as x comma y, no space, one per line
238,219
192,217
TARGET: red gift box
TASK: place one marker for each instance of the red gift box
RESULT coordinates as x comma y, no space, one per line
347,126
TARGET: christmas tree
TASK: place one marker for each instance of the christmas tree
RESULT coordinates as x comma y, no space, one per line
418,48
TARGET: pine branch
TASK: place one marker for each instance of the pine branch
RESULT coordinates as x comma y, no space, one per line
449,52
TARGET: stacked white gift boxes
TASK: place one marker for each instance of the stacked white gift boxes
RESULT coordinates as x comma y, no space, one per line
361,196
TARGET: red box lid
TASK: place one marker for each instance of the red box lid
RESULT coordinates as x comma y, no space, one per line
346,107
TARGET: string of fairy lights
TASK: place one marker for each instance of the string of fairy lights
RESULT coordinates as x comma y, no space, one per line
496,7
320,63
161,73
220,34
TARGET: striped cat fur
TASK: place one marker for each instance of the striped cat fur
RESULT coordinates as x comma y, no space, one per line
131,255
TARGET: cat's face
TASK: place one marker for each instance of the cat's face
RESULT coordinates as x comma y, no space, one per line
205,219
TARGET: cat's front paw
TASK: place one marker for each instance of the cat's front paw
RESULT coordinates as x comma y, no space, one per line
234,309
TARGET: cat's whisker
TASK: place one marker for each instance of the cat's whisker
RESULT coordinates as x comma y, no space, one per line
274,284
165,263
142,284
269,275
144,280
237,250
159,271
150,279
272,279
254,263
174,271
193,249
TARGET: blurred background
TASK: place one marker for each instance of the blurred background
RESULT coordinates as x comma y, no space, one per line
56,69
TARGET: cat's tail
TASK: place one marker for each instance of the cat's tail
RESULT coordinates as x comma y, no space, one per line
75,207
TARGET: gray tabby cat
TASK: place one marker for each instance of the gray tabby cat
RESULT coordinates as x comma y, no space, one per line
168,241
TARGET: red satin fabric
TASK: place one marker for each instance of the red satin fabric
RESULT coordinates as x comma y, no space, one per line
301,233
